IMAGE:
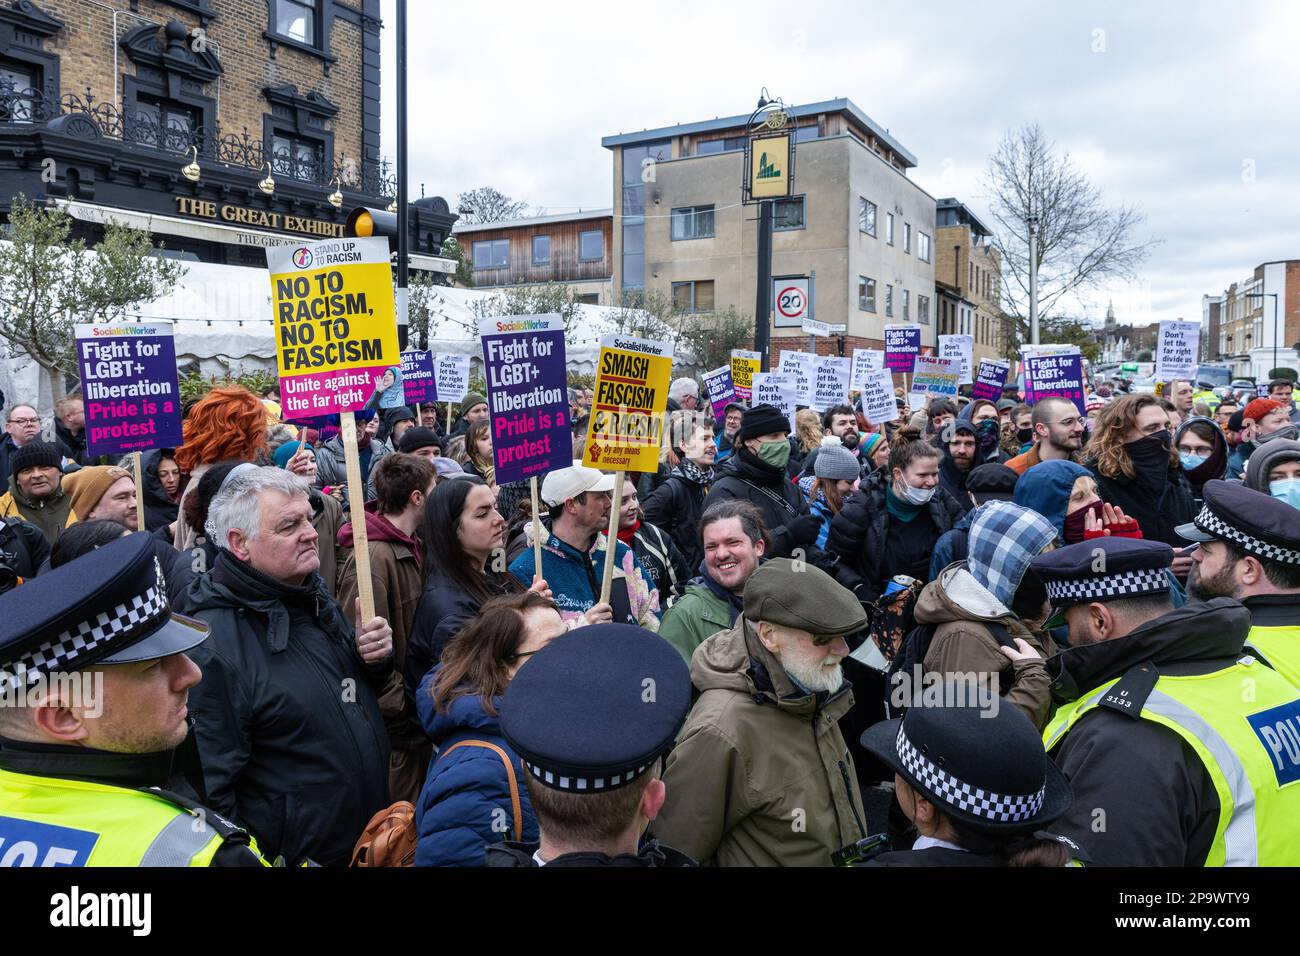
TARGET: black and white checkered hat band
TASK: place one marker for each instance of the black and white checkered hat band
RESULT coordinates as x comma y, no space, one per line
62,651
1210,523
998,807
1128,584
584,784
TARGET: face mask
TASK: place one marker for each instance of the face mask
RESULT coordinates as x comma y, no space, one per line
775,453
1073,530
1151,451
917,496
986,433
1288,490
1192,462
1024,435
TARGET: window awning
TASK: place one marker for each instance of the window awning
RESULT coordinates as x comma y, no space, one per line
213,232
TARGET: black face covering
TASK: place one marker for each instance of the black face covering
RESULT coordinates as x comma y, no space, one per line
1150,454
1024,435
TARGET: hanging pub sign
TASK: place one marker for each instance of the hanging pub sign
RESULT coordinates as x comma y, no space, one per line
769,159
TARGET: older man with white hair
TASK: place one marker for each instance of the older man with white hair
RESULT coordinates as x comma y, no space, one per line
685,392
287,717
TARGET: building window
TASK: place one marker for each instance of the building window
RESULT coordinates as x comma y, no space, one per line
297,158
889,228
638,164
589,298
541,250
907,237
804,133
18,86
922,246
591,245
492,254
866,294
907,306
889,301
693,296
866,216
788,214
693,222
712,146
923,309
297,20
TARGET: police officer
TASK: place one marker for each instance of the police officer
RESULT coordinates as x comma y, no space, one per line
1172,764
93,686
1250,550
591,716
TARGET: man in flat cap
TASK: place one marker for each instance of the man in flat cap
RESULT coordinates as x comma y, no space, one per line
1179,748
1250,550
591,717
761,775
94,679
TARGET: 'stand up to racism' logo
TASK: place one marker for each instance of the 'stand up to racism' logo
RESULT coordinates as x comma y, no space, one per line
302,258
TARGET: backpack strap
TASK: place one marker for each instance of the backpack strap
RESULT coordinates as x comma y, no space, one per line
515,806
1000,633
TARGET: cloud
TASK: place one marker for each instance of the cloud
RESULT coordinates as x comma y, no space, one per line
1177,108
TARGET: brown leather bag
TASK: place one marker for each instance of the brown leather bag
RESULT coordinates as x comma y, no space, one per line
515,806
389,838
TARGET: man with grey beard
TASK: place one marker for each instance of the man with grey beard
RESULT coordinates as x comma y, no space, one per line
760,775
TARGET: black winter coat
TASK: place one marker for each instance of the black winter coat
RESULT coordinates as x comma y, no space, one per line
1160,505
748,478
676,507
23,547
856,543
662,563
445,607
70,445
287,716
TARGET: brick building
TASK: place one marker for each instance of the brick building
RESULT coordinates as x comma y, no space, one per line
1259,320
222,126
968,279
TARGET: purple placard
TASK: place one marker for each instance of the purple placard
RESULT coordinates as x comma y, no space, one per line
902,346
128,385
990,380
721,390
417,377
523,361
1055,376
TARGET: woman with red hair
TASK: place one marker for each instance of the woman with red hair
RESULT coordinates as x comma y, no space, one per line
227,424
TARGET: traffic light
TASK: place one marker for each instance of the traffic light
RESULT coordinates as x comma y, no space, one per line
366,221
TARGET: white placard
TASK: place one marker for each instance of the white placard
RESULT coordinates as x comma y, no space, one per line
799,366
863,361
830,382
878,402
959,347
451,377
1177,349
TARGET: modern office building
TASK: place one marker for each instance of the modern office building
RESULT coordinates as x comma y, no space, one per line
855,221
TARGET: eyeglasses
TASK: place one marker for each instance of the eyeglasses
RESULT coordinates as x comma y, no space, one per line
24,421
1068,422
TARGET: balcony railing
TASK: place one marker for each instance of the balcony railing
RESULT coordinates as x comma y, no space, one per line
26,106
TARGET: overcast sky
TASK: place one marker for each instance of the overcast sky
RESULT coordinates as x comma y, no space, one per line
1185,109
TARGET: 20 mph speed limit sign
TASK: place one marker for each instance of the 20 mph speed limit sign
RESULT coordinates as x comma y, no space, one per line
790,301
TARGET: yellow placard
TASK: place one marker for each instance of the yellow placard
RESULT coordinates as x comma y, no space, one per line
744,366
627,416
769,166
335,323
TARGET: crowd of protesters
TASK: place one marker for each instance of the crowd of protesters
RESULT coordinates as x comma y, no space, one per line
812,570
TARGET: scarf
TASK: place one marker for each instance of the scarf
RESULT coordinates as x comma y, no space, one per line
735,603
694,473
900,509
627,534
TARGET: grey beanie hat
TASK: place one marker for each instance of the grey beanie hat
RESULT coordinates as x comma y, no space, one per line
1263,459
835,462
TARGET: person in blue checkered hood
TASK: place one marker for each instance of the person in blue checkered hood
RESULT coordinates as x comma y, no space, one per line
980,622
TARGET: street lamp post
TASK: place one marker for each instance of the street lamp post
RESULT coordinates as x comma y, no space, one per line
1273,296
770,113
1033,280
403,172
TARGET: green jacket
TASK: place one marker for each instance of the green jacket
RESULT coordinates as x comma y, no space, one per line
697,616
760,775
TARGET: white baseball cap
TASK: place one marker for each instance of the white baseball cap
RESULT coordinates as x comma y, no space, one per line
559,486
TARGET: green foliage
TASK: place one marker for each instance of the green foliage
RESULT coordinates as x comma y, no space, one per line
452,249
1145,356
711,337
553,297
1057,331
1289,374
195,384
48,283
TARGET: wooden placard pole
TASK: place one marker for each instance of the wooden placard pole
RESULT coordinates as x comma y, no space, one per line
611,545
449,420
357,509
139,493
537,530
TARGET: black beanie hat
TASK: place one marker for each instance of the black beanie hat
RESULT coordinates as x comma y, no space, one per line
402,413
415,438
35,454
762,420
